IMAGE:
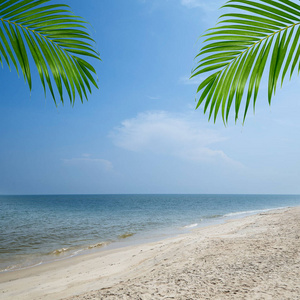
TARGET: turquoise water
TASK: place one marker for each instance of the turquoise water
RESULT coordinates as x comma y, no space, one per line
36,229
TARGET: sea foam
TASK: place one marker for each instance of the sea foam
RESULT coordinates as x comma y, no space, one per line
191,225
60,251
98,245
251,212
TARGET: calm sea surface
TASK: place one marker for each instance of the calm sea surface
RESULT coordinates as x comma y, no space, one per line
37,229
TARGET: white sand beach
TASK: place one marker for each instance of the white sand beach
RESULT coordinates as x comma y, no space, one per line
257,257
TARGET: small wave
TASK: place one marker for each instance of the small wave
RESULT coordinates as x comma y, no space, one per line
19,267
125,235
59,251
98,245
191,226
9,268
76,252
213,216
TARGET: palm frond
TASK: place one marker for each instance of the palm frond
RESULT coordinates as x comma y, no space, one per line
57,41
239,49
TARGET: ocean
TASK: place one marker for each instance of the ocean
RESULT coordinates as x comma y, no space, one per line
40,229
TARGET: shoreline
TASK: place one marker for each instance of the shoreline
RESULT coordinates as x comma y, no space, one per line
116,271
134,239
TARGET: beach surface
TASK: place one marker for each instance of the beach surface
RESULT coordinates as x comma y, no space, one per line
257,257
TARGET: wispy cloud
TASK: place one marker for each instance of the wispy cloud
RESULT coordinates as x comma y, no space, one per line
86,160
153,97
173,134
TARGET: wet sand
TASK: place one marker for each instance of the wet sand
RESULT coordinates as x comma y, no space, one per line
257,257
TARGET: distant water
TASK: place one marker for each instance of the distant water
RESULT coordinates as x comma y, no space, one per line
37,229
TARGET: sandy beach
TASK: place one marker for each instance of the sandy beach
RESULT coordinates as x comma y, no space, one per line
257,257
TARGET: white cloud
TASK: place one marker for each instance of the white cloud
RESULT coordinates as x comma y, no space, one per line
85,160
153,97
204,4
172,134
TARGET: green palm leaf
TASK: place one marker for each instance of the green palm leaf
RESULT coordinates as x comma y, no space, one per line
57,42
238,50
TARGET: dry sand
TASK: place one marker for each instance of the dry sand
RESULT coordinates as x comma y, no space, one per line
257,257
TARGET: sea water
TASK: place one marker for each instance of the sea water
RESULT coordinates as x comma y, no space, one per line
39,229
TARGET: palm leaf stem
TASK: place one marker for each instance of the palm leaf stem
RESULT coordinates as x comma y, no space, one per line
243,52
34,32
235,54
56,40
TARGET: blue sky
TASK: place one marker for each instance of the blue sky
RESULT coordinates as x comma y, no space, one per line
140,133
